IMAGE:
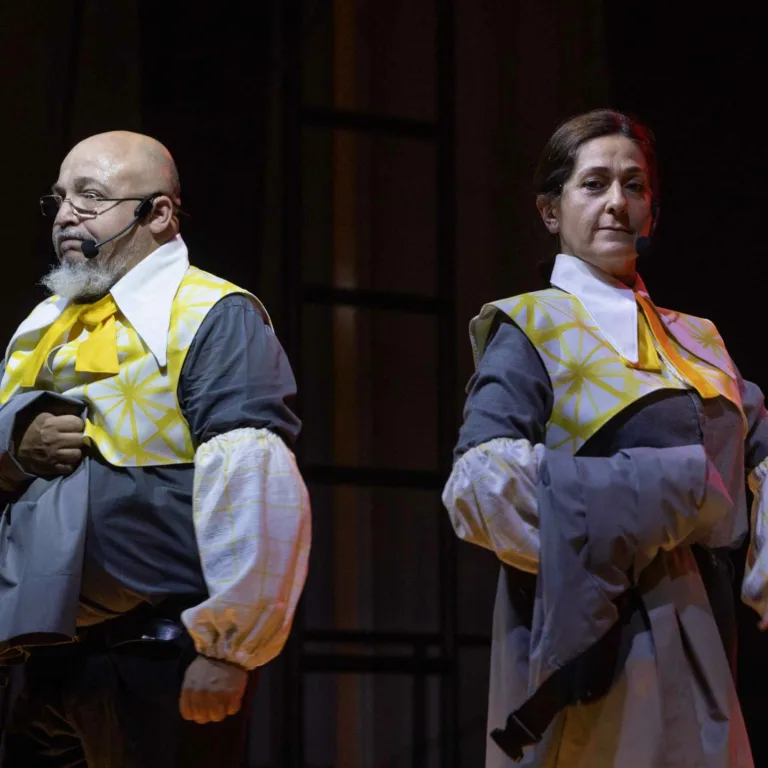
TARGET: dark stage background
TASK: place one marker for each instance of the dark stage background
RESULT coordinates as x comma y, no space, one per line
289,198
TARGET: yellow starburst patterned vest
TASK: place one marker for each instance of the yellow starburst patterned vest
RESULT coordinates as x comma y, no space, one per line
591,382
133,417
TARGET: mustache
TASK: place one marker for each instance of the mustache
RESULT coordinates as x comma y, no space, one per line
68,234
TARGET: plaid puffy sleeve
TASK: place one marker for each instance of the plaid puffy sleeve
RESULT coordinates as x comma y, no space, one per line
252,522
491,500
755,585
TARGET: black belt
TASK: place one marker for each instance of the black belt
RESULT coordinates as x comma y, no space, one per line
586,678
526,725
146,623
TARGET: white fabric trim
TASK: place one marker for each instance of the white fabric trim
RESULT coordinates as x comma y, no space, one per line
491,499
253,527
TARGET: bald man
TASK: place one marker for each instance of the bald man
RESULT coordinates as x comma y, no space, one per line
156,529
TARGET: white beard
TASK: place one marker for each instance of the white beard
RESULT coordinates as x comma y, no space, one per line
85,281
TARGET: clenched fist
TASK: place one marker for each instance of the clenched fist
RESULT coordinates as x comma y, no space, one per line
51,445
212,690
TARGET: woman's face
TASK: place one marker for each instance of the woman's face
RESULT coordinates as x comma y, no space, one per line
604,207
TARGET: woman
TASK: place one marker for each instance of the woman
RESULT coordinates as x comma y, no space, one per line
602,459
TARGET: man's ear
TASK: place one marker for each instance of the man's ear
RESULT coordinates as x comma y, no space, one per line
162,215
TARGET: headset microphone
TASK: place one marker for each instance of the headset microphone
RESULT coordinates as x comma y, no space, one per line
91,248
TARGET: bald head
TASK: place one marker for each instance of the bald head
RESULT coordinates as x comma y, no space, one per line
101,182
131,164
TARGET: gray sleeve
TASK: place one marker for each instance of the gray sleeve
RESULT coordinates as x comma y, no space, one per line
621,510
756,442
237,375
602,520
510,394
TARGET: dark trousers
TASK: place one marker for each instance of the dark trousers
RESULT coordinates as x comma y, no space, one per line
89,705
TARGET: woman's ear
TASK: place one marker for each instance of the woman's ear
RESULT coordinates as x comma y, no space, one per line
548,210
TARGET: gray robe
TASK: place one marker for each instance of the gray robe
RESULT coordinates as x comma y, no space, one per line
42,541
664,695
634,702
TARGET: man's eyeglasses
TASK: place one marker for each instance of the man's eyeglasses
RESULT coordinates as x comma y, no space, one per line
87,206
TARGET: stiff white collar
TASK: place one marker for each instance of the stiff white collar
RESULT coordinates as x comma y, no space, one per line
145,294
609,302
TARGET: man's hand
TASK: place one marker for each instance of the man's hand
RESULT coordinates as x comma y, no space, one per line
212,690
51,445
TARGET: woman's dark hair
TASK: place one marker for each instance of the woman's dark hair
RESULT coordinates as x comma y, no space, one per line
559,156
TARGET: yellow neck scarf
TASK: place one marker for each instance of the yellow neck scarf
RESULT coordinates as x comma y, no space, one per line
650,327
97,354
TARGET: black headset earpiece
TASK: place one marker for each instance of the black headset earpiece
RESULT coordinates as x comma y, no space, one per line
143,208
